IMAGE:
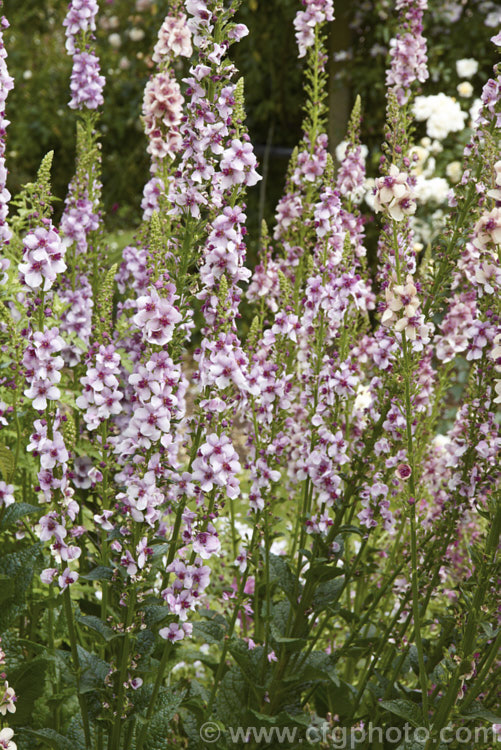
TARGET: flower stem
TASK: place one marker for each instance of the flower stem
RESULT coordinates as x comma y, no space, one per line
76,663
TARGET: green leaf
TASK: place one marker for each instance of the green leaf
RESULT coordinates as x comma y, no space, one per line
75,733
327,593
232,697
28,680
101,573
247,659
321,573
97,625
145,642
291,644
351,530
280,617
17,511
155,614
406,710
7,463
6,588
210,632
19,567
282,575
318,666
52,738
477,711
159,724
93,671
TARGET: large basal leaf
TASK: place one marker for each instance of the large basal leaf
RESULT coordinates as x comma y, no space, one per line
93,671
210,632
97,625
28,680
405,710
327,593
477,711
159,724
232,698
282,575
51,738
101,573
19,567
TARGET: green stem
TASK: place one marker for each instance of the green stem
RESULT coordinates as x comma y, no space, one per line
240,596
467,647
154,695
114,740
76,663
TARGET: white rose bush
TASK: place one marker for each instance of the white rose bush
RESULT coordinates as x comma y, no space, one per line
286,523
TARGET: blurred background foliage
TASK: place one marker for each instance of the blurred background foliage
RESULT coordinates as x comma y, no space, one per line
358,48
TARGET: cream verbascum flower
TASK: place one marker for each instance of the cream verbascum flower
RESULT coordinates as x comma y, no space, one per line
496,192
487,230
393,194
6,735
402,312
495,355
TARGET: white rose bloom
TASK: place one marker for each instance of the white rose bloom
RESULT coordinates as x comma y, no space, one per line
454,171
430,167
136,35
434,189
475,110
115,40
493,19
465,89
436,147
442,113
467,67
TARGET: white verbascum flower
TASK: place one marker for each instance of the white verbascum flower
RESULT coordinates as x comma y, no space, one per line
467,67
393,194
400,298
7,700
487,230
341,151
6,736
495,355
496,192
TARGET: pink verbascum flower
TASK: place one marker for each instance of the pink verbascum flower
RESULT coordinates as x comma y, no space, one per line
67,578
206,544
174,39
43,258
156,316
316,12
6,494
